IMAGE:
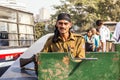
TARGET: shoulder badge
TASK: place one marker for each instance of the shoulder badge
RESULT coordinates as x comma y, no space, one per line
78,35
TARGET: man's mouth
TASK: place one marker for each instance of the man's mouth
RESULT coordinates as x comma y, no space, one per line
62,29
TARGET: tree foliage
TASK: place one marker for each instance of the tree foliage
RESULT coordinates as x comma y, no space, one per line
39,29
86,12
109,10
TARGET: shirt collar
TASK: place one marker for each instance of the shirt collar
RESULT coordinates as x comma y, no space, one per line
70,38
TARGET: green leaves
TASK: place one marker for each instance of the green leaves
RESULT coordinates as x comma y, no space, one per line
39,30
88,11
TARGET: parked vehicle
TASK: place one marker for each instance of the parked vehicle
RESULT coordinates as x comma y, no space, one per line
16,34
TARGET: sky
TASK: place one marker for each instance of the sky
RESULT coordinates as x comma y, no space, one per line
35,5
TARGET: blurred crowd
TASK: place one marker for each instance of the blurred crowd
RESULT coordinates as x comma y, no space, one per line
96,38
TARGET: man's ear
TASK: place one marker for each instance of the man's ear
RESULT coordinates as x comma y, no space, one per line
71,25
56,24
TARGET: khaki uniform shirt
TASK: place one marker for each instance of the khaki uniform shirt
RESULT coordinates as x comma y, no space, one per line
75,45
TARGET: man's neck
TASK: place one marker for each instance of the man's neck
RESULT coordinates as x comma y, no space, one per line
99,26
65,36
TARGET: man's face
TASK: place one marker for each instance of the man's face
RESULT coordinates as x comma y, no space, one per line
63,26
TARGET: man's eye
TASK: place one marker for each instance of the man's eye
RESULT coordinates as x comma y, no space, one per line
65,23
61,23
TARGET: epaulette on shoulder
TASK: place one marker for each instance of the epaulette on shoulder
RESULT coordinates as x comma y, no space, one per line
77,35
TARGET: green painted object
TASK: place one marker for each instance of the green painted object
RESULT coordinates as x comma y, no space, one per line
117,47
59,66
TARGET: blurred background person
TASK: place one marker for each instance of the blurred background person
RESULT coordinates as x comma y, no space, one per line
96,40
88,41
104,34
116,34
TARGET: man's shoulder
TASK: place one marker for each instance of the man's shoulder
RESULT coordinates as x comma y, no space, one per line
105,28
50,38
118,24
78,35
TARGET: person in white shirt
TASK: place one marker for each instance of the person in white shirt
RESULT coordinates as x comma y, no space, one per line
104,34
116,34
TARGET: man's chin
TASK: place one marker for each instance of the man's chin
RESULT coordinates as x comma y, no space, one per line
63,32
